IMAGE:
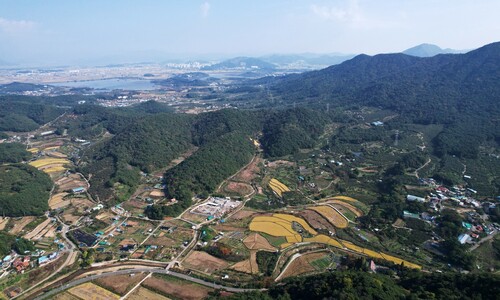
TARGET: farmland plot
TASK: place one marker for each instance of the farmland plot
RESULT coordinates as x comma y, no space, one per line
331,215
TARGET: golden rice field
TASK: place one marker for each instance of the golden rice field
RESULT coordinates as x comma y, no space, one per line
345,198
280,225
331,215
323,239
278,187
298,220
48,161
54,169
33,150
276,227
52,148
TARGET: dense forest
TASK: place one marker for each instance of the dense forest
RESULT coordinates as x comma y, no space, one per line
363,285
9,242
457,90
13,153
24,191
26,113
147,141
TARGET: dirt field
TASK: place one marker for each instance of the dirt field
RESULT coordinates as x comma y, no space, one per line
205,262
3,222
91,291
238,188
57,155
157,193
248,266
65,296
70,182
331,215
56,201
277,163
194,217
20,223
120,284
142,293
256,241
105,216
242,214
37,229
177,289
316,220
250,172
302,265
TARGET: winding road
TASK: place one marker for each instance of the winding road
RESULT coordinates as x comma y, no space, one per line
146,270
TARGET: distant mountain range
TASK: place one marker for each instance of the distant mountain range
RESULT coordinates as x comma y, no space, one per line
397,78
242,63
306,59
429,50
460,91
271,62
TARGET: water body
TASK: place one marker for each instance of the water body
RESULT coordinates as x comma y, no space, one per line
112,84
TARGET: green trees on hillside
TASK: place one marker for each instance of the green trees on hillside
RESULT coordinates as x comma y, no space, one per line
203,172
13,153
285,132
24,191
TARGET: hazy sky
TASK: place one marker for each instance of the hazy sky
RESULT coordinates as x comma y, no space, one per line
71,31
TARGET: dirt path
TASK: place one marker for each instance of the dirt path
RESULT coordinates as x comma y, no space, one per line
489,237
422,166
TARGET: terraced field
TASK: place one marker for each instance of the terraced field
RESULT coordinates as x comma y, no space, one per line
280,225
278,187
331,215
48,161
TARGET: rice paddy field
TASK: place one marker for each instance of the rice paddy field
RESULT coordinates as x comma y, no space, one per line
280,225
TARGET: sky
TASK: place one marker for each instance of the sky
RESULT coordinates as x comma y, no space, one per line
112,31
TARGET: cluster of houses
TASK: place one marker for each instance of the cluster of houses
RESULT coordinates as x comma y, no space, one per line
21,263
456,196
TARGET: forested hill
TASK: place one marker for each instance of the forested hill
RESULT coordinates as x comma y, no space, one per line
222,137
403,82
460,91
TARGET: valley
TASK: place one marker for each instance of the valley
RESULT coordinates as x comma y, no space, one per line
105,201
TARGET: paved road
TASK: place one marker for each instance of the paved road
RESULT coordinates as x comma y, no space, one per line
70,249
130,271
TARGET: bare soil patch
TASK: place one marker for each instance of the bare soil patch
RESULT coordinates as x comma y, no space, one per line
256,241
248,266
277,163
20,223
56,201
194,217
177,289
250,172
316,220
157,193
238,188
120,284
37,229
89,290
302,265
242,214
70,182
205,262
142,293
65,296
